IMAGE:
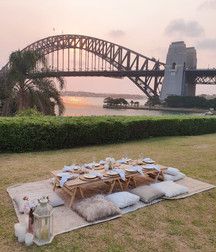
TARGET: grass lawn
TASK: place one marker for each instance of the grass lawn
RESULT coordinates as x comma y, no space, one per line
181,225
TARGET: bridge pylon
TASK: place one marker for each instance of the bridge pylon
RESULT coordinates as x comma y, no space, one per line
179,59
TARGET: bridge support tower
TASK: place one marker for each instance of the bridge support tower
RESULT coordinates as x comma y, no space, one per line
179,58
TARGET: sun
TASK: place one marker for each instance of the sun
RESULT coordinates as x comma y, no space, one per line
74,101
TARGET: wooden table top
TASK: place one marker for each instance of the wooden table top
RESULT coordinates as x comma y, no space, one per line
79,181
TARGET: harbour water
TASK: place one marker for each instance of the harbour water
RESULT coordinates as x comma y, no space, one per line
93,106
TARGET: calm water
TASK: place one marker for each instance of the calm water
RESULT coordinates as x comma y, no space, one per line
87,106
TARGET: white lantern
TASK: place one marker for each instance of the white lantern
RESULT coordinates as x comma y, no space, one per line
43,222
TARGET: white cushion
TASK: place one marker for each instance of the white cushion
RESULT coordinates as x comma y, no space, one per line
178,176
123,199
168,177
95,208
54,201
172,171
147,193
170,188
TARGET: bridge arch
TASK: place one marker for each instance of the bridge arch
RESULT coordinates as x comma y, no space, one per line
143,71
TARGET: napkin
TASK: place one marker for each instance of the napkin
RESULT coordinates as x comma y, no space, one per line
148,160
138,169
70,168
121,161
102,162
97,174
89,165
65,177
121,173
152,166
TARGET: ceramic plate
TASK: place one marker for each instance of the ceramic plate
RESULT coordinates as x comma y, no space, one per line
148,161
128,159
130,169
89,176
151,166
112,173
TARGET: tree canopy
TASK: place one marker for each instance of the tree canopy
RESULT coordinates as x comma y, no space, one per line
19,91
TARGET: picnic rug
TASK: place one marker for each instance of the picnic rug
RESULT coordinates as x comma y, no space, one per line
65,219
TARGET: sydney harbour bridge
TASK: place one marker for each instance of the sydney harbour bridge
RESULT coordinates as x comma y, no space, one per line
79,55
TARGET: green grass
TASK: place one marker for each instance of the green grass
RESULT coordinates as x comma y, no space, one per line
181,225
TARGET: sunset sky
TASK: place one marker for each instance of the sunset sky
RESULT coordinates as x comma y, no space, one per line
146,26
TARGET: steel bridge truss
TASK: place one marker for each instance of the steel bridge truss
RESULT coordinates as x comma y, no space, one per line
202,76
78,55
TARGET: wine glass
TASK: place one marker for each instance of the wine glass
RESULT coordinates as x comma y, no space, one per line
93,162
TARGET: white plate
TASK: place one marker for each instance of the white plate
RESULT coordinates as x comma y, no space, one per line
128,159
148,161
151,166
89,176
97,164
130,169
112,173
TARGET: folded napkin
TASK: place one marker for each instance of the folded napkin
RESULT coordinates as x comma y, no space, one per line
152,166
97,174
70,168
102,162
121,173
89,165
121,161
137,168
65,177
148,160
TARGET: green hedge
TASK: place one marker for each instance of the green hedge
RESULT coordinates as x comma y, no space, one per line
190,102
20,134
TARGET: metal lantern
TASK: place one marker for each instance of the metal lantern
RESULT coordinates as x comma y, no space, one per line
43,222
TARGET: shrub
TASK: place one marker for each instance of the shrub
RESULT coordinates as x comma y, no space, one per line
29,112
190,102
20,134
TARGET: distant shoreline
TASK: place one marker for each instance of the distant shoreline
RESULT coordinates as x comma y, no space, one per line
103,95
157,108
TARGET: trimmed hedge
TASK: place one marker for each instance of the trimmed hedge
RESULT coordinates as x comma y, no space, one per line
20,134
190,102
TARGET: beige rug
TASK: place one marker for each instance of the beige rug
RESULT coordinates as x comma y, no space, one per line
66,219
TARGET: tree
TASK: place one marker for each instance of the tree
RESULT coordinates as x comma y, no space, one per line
21,91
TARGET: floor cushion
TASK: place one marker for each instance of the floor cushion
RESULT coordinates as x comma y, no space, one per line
172,171
178,176
95,208
170,188
123,199
54,201
147,193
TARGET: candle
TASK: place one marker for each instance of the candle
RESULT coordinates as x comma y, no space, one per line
29,239
20,231
16,227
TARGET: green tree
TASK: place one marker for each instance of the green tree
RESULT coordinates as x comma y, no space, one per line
21,91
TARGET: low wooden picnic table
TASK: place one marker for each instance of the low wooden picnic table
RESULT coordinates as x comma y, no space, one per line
76,185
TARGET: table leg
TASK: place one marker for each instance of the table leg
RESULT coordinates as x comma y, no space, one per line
55,182
120,184
81,192
127,183
72,197
134,181
112,186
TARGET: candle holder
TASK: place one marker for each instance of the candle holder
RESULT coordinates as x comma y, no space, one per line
43,222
